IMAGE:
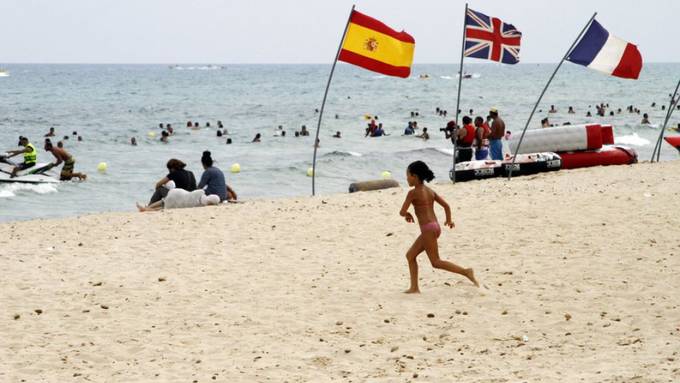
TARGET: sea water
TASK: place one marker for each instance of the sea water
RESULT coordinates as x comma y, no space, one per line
109,104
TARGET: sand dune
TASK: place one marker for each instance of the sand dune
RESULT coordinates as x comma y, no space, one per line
579,271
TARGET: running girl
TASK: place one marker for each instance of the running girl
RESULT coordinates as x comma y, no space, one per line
423,199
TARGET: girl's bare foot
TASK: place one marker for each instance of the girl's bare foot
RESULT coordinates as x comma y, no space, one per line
470,274
412,291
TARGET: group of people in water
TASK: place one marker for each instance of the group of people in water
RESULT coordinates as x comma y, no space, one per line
178,188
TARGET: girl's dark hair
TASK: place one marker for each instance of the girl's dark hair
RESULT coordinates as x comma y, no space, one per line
420,170
206,159
175,164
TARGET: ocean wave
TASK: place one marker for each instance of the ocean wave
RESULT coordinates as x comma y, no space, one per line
633,139
12,189
427,151
340,153
446,77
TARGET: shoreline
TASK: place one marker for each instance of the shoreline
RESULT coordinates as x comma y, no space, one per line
578,271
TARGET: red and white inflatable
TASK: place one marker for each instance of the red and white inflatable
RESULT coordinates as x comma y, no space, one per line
560,139
607,155
674,141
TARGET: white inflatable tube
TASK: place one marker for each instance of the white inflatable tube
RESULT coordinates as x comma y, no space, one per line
559,139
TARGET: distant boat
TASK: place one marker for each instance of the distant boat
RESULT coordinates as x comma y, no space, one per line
4,73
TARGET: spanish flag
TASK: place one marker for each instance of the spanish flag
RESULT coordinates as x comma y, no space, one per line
373,45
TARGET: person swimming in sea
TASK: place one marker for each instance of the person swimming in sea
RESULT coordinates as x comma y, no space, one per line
423,198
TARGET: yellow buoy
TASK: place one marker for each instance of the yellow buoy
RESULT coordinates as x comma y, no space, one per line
386,175
101,167
236,168
310,172
151,134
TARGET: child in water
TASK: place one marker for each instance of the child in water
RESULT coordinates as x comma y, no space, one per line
423,199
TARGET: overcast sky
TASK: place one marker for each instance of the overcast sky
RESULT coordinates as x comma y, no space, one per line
305,31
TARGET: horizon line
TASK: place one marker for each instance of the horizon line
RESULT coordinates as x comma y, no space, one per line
273,63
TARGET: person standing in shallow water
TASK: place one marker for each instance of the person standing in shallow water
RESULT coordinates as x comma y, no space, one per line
423,198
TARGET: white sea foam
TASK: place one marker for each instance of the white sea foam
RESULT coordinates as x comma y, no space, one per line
447,151
446,77
12,189
632,139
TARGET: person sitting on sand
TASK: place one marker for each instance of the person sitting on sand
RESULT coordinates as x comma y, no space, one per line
425,135
180,198
212,180
423,198
337,134
51,133
182,179
645,119
257,138
69,162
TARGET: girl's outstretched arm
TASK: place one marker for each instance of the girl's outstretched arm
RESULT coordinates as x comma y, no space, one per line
447,210
404,208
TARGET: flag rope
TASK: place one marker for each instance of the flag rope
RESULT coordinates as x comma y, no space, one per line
519,144
323,103
460,82
671,107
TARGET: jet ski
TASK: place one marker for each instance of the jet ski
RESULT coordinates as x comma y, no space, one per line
38,174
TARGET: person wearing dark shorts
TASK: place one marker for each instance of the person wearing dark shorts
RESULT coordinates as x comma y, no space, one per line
182,178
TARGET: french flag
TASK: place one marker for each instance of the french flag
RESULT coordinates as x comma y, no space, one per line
609,54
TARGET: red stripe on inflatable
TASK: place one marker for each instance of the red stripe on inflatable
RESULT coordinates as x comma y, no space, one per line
608,155
673,140
594,136
630,64
607,135
371,23
374,65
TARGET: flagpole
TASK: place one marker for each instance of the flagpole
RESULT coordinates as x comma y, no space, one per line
671,107
519,144
460,82
323,103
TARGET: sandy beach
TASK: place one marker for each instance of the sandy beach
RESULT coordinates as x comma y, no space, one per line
579,272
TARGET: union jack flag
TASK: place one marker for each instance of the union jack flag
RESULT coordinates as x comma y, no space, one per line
490,38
